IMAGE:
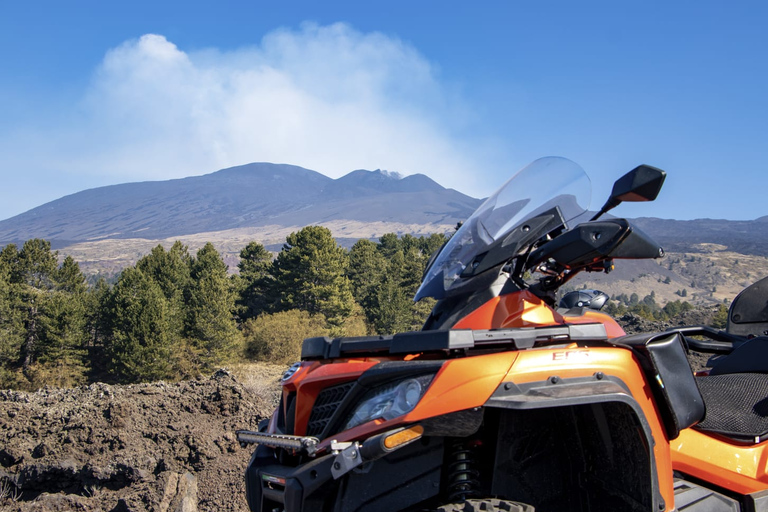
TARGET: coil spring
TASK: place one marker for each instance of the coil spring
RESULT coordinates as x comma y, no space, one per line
463,476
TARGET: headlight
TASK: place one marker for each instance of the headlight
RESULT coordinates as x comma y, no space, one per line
290,371
389,401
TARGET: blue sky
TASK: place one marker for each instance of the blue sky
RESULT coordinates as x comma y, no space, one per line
96,93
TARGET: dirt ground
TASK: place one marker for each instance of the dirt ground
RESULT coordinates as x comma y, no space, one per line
155,447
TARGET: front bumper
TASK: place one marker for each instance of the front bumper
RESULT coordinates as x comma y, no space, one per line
397,481
271,485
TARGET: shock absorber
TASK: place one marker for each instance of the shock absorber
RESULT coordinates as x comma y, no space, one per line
463,475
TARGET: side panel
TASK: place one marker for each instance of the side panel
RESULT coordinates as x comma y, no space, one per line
737,467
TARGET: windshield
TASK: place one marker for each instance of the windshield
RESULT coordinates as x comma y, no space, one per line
547,183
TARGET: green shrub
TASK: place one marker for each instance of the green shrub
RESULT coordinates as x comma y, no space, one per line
277,337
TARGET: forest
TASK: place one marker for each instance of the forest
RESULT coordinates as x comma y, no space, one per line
176,315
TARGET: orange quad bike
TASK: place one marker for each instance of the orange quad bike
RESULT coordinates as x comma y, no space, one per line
503,402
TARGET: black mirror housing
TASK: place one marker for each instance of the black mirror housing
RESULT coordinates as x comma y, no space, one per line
643,183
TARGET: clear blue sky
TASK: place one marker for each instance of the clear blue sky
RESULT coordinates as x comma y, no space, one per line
95,93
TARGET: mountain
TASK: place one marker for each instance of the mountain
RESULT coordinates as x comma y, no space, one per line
253,195
741,236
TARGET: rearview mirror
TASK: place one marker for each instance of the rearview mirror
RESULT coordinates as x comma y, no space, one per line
643,183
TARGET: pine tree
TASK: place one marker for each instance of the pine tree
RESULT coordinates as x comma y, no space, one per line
366,270
170,271
210,324
98,325
254,280
392,312
143,339
310,276
69,278
11,328
43,317
34,273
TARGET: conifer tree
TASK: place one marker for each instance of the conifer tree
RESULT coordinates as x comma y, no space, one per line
143,339
310,276
210,324
11,328
170,271
367,267
44,316
254,281
392,312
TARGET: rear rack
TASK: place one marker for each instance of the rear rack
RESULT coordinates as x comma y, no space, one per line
449,341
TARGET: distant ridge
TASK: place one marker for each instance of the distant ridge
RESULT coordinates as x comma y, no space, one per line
251,195
265,194
742,236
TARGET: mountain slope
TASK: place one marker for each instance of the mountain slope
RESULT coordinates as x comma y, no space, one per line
251,195
742,236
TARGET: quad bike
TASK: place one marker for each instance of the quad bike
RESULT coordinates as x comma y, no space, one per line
505,402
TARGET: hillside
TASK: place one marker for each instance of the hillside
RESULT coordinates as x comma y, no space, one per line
744,237
248,196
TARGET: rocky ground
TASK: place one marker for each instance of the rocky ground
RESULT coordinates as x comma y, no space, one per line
159,447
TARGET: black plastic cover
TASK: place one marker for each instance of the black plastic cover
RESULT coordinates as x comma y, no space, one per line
748,314
663,358
643,183
592,242
749,357
448,341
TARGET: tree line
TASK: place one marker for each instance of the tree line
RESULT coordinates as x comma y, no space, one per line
176,315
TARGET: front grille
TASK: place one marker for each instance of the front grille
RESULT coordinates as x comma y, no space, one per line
326,404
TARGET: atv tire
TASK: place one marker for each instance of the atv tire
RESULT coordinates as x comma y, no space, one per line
486,505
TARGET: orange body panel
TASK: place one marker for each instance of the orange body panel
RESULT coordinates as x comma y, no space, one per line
463,384
524,309
521,309
739,468
539,364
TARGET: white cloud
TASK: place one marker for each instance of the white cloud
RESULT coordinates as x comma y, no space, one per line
328,98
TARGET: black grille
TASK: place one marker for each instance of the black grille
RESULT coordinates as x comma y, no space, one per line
325,406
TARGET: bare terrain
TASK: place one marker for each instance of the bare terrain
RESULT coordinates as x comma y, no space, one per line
148,447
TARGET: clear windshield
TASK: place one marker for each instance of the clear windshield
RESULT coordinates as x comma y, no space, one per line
544,184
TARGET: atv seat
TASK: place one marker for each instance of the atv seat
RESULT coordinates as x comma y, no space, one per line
736,405
736,393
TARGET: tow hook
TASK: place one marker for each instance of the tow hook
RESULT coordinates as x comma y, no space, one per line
347,458
351,455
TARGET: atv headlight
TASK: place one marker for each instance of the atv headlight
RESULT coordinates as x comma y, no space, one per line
389,401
